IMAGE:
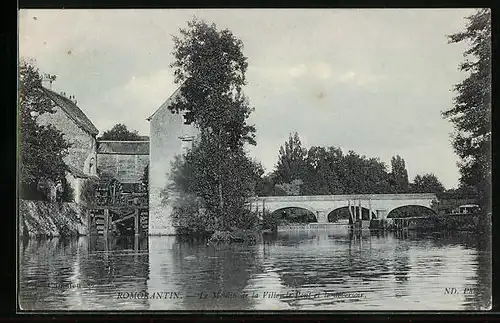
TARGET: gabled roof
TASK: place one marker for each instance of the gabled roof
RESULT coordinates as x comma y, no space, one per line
123,147
73,111
174,96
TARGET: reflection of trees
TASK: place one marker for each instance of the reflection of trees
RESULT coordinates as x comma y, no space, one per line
339,262
202,268
110,267
401,264
481,296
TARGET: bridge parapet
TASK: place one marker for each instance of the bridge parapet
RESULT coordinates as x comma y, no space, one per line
304,198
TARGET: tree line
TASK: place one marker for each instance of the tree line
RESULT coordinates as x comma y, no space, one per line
328,170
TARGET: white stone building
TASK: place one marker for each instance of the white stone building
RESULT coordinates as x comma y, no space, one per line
169,136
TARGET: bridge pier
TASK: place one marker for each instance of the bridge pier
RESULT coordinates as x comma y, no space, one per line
321,216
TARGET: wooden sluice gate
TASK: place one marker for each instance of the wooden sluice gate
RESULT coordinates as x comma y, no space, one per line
117,212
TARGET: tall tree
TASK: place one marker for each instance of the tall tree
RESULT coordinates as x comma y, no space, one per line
120,132
42,148
399,175
291,160
427,183
471,114
210,68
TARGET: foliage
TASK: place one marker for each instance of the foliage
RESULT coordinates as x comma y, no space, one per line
291,160
192,176
399,175
210,68
328,171
270,220
88,192
471,114
120,132
42,147
427,183
239,236
292,188
190,218
67,194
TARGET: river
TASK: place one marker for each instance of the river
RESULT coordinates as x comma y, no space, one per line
318,270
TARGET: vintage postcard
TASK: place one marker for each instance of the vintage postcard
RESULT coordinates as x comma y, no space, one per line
251,159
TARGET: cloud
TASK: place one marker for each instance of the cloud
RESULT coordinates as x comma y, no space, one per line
373,81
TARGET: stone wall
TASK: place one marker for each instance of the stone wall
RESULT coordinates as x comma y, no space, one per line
83,147
41,218
166,129
125,168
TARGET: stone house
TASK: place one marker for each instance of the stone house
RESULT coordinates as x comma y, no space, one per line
78,130
123,160
169,136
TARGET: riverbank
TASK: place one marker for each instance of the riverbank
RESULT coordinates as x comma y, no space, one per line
50,219
466,222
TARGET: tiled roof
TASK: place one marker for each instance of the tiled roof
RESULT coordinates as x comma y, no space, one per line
73,111
123,147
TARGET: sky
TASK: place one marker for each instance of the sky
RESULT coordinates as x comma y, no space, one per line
372,81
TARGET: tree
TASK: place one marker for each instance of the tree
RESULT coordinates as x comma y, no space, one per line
471,114
210,68
399,175
42,148
427,183
120,132
291,163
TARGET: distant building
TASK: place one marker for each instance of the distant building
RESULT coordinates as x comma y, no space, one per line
78,130
169,136
123,160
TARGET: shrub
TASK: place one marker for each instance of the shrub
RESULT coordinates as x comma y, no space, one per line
68,194
270,221
189,218
88,192
239,236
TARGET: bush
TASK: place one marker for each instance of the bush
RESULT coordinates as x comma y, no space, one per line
88,192
270,221
189,218
239,236
68,194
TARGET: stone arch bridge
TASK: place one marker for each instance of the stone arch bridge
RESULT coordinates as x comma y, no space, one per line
378,205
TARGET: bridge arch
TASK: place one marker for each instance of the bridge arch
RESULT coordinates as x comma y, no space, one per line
295,214
342,213
410,210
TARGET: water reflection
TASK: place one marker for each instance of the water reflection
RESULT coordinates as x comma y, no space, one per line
339,270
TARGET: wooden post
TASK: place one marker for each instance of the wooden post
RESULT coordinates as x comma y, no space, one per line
136,220
360,213
89,222
350,211
106,223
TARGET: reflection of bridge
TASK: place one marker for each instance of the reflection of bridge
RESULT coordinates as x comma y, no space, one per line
378,205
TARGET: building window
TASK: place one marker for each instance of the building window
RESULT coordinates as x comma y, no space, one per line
186,144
